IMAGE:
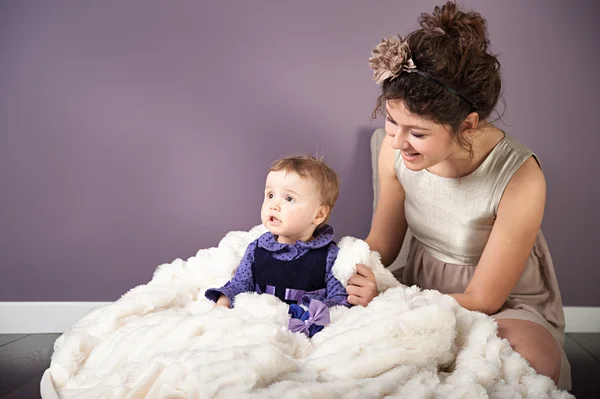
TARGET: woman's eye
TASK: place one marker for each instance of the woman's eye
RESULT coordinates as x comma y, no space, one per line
417,135
289,199
390,120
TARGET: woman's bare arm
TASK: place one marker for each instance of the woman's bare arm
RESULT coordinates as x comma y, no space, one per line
389,225
387,229
505,255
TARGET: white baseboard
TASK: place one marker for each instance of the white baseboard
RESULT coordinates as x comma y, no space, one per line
582,319
42,317
57,317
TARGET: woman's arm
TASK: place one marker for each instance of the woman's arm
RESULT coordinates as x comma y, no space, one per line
388,226
505,255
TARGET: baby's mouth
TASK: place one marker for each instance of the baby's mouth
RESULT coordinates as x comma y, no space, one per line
274,219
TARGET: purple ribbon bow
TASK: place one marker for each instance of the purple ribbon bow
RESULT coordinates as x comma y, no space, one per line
318,314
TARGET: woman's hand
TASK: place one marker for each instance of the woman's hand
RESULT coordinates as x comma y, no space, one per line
362,287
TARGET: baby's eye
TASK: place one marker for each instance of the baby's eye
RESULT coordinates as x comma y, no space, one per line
270,196
289,199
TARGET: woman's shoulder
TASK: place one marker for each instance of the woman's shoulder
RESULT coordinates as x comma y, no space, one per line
517,148
507,156
520,177
529,175
509,162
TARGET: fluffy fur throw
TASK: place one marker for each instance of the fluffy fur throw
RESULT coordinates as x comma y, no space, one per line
164,339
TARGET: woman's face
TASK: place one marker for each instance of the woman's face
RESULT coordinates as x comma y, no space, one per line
422,142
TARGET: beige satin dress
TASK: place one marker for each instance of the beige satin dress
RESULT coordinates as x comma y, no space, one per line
451,221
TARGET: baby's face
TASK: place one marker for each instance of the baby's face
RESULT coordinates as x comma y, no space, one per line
290,207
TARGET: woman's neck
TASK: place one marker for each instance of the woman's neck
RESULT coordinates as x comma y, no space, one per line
463,162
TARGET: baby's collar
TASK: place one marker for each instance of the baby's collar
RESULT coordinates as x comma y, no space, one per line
322,237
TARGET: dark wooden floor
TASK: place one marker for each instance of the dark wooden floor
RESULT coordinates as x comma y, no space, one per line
23,359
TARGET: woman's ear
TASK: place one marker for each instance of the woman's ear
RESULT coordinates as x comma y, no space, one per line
321,215
470,122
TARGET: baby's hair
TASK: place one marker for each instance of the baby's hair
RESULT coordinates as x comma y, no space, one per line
309,167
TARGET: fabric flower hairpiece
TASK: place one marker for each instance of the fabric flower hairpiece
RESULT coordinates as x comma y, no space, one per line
390,58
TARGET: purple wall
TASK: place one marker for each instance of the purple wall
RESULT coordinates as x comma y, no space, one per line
132,133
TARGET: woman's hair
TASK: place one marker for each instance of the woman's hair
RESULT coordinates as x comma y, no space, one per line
309,167
452,47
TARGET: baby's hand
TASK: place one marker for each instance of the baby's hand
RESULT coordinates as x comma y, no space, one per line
223,301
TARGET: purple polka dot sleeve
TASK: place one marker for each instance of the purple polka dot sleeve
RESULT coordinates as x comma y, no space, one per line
242,280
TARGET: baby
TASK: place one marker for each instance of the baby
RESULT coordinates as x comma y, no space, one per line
294,259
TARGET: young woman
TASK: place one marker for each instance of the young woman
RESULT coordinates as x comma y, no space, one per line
472,195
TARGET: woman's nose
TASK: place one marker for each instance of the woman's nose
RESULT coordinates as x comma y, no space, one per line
397,140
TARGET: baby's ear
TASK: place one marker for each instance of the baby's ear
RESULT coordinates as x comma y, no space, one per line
322,213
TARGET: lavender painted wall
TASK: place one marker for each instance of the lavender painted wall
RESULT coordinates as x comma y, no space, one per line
132,133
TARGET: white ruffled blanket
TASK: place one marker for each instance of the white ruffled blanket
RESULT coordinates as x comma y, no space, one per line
165,340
